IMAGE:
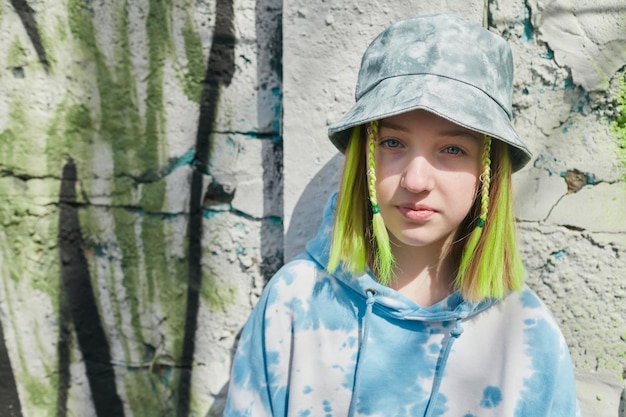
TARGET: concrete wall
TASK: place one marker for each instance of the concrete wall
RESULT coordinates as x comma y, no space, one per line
142,172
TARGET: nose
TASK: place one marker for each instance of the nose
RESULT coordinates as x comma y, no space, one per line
418,175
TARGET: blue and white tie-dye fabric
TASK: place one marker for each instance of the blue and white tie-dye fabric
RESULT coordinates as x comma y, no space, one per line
342,345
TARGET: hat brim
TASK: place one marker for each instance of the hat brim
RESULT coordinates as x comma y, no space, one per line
458,102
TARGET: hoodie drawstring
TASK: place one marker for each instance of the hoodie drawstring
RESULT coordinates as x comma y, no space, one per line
441,364
361,353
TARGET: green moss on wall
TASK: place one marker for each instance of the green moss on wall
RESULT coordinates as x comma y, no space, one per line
138,145
126,240
60,30
11,140
8,139
217,296
152,401
41,395
619,126
154,280
49,46
31,269
70,134
17,54
27,245
135,154
81,26
192,85
165,283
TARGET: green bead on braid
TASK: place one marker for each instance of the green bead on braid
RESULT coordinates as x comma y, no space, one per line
383,257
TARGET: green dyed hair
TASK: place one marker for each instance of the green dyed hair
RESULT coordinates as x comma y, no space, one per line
352,227
490,264
360,238
484,250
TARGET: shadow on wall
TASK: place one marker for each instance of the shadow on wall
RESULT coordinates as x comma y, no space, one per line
219,73
79,308
9,400
305,221
307,213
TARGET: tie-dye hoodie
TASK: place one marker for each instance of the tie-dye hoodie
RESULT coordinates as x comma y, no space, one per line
343,345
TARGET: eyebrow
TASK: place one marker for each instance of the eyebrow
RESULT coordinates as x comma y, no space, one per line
390,125
453,132
460,133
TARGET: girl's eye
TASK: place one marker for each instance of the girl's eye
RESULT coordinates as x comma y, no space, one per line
453,150
390,143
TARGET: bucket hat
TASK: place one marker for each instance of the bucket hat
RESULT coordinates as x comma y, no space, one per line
443,64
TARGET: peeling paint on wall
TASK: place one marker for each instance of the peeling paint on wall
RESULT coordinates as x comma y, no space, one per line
570,200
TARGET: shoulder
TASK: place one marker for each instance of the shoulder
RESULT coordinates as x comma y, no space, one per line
298,279
296,275
303,294
540,328
529,306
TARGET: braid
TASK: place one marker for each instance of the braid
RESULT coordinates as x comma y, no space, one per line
382,258
485,179
372,132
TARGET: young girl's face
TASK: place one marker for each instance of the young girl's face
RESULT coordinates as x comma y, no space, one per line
427,171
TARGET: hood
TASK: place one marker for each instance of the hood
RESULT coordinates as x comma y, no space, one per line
388,301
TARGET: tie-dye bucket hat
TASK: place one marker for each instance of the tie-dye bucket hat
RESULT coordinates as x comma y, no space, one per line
443,64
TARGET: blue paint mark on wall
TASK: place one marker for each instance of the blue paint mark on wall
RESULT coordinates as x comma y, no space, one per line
492,396
527,36
558,255
549,55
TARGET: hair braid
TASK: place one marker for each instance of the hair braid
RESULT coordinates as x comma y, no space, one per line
382,258
372,132
485,179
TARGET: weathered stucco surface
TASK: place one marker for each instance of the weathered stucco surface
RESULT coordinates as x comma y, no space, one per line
140,165
569,106
571,60
142,174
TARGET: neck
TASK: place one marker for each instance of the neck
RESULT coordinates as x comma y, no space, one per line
423,274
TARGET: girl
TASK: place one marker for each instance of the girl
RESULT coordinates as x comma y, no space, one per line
410,300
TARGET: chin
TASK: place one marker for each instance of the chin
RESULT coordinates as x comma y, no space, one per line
418,240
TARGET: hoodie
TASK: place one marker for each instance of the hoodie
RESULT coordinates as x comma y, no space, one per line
343,345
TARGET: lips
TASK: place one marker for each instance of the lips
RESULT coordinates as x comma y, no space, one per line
417,213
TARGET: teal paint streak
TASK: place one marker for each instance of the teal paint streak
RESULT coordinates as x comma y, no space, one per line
548,55
185,159
528,31
558,255
277,93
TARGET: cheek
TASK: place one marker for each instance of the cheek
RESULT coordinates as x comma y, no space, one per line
385,177
466,189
